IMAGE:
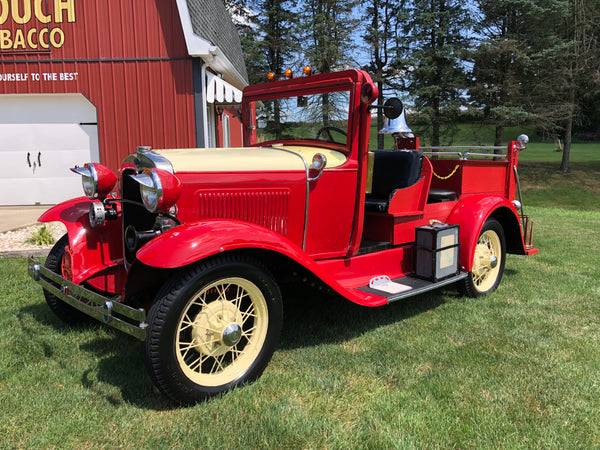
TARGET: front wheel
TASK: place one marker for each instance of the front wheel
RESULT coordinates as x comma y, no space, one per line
212,328
488,261
58,261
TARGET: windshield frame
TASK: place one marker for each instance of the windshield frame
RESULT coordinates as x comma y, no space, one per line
349,88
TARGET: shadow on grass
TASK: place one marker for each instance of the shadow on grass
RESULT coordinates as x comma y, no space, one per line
117,372
313,318
116,369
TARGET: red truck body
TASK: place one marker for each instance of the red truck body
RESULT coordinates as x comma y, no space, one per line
305,195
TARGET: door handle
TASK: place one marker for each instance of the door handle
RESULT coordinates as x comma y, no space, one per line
28,160
39,160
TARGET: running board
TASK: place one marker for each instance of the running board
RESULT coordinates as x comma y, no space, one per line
410,286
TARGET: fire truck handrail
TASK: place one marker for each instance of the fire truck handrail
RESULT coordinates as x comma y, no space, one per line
465,147
459,154
466,154
486,155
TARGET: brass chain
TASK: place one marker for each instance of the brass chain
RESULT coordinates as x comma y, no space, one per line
451,173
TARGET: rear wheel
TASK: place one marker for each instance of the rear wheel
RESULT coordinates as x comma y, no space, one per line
58,262
212,328
488,261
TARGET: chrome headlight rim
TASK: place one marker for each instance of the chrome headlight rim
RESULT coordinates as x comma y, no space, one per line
93,177
89,180
151,189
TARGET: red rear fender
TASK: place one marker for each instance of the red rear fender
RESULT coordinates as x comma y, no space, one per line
472,213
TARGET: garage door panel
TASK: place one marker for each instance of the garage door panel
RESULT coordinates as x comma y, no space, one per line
22,191
53,148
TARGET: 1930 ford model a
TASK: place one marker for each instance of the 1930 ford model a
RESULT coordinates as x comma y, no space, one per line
189,254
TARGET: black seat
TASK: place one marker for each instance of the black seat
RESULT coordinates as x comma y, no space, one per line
441,195
392,170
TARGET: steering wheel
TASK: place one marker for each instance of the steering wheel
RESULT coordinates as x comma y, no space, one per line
327,133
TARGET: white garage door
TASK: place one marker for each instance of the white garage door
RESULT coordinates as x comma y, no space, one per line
41,137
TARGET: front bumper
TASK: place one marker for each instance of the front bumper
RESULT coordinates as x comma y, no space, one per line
122,317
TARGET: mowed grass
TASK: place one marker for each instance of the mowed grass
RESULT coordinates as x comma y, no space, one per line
519,368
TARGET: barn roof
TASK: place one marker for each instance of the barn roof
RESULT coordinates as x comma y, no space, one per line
210,34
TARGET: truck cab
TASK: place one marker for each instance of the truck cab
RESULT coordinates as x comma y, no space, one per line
188,251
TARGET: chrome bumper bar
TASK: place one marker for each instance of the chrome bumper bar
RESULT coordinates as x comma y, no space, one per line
104,309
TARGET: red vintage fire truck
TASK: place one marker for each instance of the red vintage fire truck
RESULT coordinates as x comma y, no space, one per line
189,253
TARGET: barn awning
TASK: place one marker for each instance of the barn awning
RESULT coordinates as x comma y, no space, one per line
220,91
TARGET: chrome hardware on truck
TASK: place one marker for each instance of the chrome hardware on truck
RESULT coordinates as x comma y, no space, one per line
94,305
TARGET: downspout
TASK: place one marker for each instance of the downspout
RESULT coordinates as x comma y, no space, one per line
201,120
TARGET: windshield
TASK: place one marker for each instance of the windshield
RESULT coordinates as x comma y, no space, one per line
319,117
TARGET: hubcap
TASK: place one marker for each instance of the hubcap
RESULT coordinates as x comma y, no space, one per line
231,335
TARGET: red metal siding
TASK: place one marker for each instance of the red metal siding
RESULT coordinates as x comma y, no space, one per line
128,58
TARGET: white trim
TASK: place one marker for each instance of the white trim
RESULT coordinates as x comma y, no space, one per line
196,46
205,108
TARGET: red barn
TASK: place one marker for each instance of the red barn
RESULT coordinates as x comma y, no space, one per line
90,80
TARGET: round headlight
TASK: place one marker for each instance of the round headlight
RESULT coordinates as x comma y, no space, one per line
97,180
151,192
90,182
159,189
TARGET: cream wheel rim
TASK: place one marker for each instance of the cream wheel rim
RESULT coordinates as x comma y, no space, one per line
221,331
487,261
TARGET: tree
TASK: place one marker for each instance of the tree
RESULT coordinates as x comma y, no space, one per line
581,60
382,18
565,68
326,32
436,34
246,22
267,32
269,47
500,62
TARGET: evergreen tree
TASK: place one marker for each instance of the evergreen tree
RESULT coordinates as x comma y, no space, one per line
326,35
500,62
436,34
382,19
246,22
326,28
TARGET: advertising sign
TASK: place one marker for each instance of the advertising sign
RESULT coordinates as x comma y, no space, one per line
34,25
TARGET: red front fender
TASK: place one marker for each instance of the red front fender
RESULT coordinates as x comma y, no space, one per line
194,241
471,214
97,253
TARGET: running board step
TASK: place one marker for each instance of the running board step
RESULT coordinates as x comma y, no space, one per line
409,286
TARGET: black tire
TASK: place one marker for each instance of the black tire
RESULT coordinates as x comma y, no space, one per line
488,261
62,310
213,327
